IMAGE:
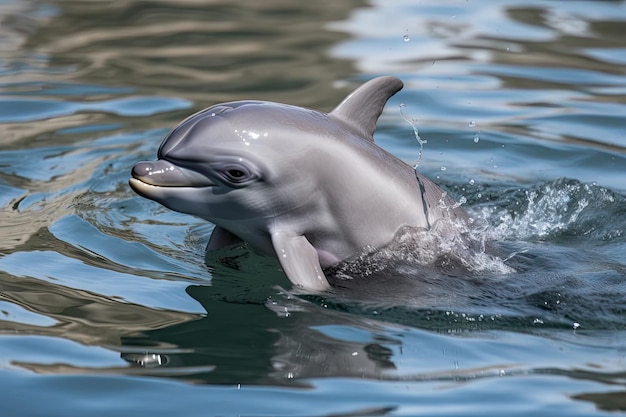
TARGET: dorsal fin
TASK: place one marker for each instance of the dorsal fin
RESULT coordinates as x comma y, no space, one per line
361,109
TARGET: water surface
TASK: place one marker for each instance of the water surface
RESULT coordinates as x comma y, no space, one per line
106,302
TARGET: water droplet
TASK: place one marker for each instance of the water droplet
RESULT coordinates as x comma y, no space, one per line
420,141
476,138
472,124
443,168
406,38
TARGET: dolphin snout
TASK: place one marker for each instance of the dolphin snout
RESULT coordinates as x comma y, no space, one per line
166,174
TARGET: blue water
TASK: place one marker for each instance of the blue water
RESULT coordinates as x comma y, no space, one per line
108,306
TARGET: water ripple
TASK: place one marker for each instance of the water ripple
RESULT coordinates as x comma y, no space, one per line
522,102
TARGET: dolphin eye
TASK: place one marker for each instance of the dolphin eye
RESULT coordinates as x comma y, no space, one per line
235,173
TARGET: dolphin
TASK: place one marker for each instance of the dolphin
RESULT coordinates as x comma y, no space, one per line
308,187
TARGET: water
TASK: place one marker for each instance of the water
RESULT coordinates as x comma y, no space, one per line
107,306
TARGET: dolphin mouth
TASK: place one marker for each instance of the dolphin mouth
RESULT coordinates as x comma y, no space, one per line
162,173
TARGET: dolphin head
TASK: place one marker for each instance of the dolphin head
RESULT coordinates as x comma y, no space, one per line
228,162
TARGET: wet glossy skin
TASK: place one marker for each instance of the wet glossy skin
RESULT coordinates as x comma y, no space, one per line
308,187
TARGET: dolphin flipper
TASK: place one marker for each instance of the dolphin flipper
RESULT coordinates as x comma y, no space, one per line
299,261
361,109
221,238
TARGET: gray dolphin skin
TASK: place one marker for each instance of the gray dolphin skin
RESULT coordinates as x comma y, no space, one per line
311,188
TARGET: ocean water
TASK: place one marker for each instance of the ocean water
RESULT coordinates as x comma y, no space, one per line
109,307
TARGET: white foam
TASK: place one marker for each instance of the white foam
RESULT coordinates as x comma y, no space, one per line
550,209
448,243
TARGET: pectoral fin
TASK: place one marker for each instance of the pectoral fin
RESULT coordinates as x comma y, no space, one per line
299,261
221,238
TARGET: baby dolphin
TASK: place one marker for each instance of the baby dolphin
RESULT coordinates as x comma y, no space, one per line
311,188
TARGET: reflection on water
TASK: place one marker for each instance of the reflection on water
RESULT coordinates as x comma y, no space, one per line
81,316
550,73
206,52
521,104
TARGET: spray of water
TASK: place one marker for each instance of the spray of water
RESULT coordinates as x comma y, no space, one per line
544,211
449,245
448,241
420,141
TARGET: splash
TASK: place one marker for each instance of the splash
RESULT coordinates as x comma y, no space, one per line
449,247
420,141
555,208
444,202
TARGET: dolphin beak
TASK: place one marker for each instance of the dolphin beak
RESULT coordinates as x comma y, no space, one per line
162,173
